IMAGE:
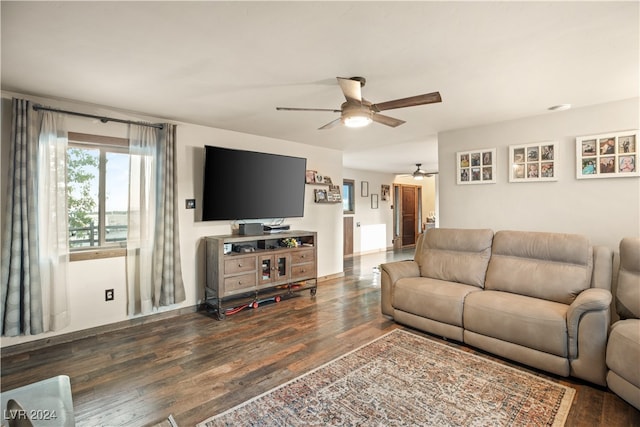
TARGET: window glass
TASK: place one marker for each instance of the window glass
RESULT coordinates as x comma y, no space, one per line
83,174
97,191
348,196
116,196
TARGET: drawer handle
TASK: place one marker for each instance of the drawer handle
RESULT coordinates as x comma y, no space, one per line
239,265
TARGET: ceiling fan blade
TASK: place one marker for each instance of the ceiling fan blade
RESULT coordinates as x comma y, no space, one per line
351,89
428,98
330,125
386,120
307,109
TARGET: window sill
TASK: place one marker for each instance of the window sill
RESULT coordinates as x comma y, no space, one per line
97,254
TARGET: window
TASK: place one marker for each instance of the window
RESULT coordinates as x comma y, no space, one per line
97,191
348,198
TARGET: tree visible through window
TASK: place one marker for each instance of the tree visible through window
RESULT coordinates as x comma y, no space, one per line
97,191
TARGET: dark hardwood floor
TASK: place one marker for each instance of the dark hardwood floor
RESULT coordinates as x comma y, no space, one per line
193,366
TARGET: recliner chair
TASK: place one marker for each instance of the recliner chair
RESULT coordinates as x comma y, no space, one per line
623,347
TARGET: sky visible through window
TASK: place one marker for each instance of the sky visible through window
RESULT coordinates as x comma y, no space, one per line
117,182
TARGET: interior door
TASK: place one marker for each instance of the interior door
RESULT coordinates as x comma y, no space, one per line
407,214
347,236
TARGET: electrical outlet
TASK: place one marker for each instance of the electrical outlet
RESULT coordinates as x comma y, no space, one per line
108,295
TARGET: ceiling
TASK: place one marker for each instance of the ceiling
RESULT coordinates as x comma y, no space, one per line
230,64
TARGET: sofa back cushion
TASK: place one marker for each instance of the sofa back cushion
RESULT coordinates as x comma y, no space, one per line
628,292
552,266
455,255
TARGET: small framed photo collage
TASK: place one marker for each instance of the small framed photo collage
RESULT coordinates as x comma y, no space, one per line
533,162
476,167
611,155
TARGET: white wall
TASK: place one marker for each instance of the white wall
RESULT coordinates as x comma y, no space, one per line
373,228
89,279
605,210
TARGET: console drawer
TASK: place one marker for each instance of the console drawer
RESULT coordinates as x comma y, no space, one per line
239,265
302,271
239,283
299,257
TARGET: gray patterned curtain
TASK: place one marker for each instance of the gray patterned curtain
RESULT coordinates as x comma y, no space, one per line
167,266
154,274
20,290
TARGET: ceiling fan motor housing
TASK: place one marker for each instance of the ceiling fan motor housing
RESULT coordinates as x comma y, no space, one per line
353,111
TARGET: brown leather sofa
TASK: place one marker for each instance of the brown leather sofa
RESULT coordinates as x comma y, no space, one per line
623,348
541,299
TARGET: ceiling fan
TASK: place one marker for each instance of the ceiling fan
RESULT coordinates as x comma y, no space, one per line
419,173
358,112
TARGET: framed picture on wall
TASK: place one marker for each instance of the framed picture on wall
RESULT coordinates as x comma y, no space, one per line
364,189
533,162
310,177
374,201
476,167
385,192
608,155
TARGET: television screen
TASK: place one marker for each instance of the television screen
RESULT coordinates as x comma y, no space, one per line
249,185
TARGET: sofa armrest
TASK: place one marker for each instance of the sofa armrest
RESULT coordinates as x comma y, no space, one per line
390,273
589,300
602,268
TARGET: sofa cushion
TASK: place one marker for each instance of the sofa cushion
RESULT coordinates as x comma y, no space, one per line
623,350
628,292
518,319
432,298
551,266
455,255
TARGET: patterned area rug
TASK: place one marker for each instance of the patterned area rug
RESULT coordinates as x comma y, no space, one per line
404,379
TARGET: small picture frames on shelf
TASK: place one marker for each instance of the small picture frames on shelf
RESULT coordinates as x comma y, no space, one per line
608,155
476,167
334,195
330,195
533,162
313,177
364,189
310,177
320,196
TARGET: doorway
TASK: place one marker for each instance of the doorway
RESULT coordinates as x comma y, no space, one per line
407,215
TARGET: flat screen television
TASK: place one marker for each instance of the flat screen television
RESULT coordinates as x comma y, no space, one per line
242,185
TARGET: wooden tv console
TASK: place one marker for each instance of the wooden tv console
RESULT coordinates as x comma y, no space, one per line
262,270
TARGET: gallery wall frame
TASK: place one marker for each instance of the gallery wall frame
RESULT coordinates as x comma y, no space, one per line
533,162
374,201
607,155
385,192
476,166
364,189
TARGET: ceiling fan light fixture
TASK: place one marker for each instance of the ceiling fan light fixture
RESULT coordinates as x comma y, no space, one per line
418,177
356,116
357,121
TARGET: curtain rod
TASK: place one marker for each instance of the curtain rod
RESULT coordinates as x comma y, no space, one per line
103,119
